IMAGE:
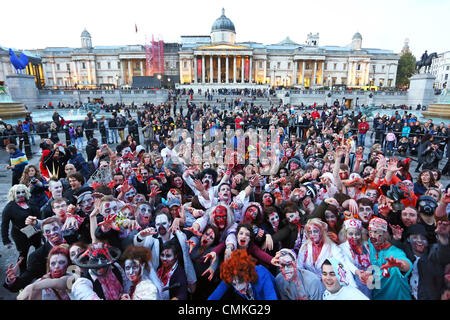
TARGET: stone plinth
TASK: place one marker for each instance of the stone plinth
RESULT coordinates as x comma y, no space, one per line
421,89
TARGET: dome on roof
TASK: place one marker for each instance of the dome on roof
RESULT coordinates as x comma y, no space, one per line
223,24
85,34
287,42
357,35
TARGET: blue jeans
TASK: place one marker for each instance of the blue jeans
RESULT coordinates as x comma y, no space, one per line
362,139
113,136
80,145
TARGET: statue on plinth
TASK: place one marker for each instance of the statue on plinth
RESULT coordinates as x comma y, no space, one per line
425,61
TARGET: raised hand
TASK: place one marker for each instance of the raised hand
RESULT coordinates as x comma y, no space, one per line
212,255
392,262
397,231
209,271
12,271
199,185
194,231
154,192
191,245
109,223
442,228
276,260
148,232
175,225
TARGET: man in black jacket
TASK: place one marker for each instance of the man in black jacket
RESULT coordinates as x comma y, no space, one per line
427,276
91,149
133,129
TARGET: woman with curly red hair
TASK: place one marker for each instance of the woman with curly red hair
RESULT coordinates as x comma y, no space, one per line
242,279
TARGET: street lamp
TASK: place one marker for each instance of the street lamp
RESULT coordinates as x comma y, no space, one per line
159,78
168,80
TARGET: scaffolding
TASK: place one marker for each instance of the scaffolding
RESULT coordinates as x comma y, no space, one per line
154,57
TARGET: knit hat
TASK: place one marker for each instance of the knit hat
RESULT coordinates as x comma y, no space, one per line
377,224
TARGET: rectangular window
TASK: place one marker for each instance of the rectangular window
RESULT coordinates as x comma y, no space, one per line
344,80
345,66
335,66
67,66
185,65
382,68
98,65
118,65
359,67
260,65
57,66
289,65
83,65
278,65
446,77
109,65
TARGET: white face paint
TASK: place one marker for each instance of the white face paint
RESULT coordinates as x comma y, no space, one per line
274,219
313,234
293,217
52,232
167,258
287,266
240,286
74,251
109,207
144,214
20,195
133,270
162,224
87,203
56,189
243,238
208,180
58,265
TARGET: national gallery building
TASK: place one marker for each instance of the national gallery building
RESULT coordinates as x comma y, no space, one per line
218,60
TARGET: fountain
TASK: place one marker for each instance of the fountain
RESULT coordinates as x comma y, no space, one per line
10,109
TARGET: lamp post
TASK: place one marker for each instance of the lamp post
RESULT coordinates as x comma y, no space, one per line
168,80
159,78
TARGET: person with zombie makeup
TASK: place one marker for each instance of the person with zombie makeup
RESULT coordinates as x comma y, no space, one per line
242,279
56,189
138,269
293,283
16,212
355,247
154,238
318,248
57,264
395,267
328,212
106,228
426,279
221,217
335,278
171,273
57,159
36,266
200,247
272,222
102,278
291,234
76,181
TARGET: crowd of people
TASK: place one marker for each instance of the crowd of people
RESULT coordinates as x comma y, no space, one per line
311,212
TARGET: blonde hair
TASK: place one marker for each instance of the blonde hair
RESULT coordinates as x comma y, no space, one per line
16,187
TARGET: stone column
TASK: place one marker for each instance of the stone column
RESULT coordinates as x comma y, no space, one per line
303,73
314,75
122,72
234,68
349,73
251,70
211,71
295,72
129,72
265,70
228,76
54,74
195,69
321,73
142,67
242,69
203,69
219,69
387,76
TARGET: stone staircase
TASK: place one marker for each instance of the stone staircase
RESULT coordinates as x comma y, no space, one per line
223,100
10,110
438,110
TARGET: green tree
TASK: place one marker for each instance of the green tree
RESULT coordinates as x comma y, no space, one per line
406,68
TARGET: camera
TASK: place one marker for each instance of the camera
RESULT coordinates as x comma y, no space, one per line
33,180
396,194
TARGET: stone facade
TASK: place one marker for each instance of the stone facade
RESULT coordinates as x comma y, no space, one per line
440,68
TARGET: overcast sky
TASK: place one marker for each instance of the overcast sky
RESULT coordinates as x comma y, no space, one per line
383,24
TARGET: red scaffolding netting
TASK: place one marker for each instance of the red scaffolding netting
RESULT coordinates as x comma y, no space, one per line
154,56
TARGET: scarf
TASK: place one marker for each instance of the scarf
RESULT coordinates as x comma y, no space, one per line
111,286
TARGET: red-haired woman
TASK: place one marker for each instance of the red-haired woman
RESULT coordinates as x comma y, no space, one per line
242,279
